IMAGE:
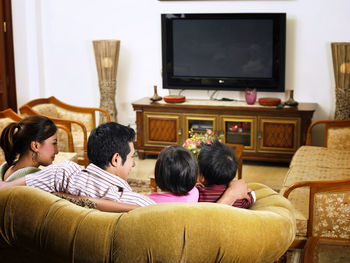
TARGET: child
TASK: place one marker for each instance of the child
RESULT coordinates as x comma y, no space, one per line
217,166
176,173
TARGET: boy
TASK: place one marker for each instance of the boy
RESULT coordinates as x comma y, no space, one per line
217,168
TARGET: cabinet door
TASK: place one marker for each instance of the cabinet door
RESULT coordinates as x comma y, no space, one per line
240,130
200,123
278,135
161,129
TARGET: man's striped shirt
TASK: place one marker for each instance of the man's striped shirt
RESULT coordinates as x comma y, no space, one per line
69,177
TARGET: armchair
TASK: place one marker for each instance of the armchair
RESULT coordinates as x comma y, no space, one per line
79,120
314,163
65,138
328,227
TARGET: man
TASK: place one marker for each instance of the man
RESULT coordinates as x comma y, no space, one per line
111,152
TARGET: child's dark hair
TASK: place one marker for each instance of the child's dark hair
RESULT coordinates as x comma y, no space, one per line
217,163
106,140
176,170
16,137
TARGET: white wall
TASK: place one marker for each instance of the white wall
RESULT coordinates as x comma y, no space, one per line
54,54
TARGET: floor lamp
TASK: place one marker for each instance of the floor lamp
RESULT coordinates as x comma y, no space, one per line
341,66
106,57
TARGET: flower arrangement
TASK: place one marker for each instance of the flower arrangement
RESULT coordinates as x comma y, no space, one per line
196,140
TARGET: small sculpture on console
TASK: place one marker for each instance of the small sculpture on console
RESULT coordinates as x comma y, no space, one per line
291,101
155,97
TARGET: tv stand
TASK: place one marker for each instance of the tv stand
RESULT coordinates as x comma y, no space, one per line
267,133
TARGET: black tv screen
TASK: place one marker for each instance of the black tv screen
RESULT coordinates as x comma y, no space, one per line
224,51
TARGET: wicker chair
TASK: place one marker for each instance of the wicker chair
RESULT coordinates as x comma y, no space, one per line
79,120
328,227
65,138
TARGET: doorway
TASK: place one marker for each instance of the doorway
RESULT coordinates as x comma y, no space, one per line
7,66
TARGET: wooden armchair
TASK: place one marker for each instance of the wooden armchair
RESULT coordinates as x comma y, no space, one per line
328,227
65,140
79,120
337,133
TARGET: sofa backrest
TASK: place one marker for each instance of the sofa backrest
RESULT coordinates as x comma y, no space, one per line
48,228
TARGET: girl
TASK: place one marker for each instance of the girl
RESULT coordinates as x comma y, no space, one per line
176,175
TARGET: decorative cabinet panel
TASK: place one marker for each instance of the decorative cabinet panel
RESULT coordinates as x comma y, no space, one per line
267,133
162,129
278,135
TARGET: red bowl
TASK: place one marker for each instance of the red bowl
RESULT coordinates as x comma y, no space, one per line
174,99
269,101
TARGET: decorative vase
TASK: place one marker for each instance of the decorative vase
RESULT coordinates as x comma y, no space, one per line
250,96
155,97
291,101
106,57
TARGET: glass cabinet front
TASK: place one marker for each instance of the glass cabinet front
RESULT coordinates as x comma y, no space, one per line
240,131
200,124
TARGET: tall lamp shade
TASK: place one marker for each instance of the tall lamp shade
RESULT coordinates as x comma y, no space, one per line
106,57
341,66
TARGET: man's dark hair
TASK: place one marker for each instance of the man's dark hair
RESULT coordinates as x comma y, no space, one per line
176,170
217,163
106,140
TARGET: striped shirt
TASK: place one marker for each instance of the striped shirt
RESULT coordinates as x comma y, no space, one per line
69,177
211,193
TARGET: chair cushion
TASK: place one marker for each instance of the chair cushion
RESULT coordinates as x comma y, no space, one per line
78,139
332,215
314,156
47,109
339,138
85,118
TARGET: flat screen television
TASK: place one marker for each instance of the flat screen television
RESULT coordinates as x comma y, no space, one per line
224,51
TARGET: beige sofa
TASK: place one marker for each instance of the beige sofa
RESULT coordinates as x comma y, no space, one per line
314,163
36,226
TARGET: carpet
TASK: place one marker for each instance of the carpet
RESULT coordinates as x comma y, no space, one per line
141,186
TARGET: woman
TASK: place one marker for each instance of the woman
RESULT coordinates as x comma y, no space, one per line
27,145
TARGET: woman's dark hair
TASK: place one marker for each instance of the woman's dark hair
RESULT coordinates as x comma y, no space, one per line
176,170
106,140
217,163
16,137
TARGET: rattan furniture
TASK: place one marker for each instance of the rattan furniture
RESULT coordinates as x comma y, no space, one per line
79,120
